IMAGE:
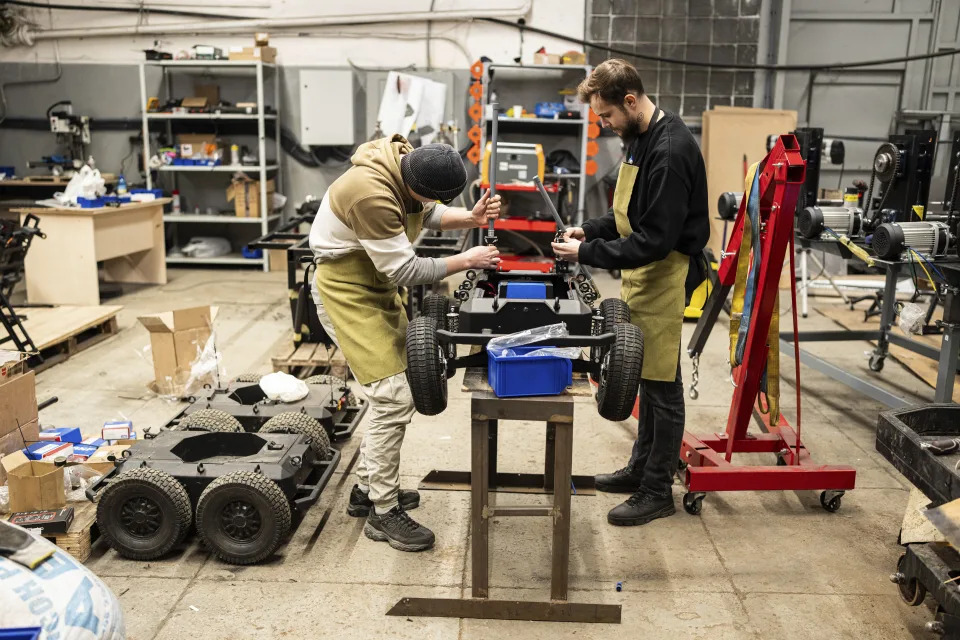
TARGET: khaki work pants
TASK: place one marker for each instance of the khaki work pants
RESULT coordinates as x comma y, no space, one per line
391,406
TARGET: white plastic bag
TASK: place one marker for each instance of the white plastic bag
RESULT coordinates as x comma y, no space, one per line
61,596
283,387
86,183
557,352
528,336
912,318
206,247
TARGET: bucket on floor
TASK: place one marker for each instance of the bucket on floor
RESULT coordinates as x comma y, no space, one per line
517,375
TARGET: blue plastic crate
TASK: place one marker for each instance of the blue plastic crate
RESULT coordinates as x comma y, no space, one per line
251,254
519,375
526,290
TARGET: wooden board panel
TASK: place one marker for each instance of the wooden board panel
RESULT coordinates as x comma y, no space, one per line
302,361
923,368
728,134
49,326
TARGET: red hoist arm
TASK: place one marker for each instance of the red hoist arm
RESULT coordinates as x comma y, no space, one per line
780,181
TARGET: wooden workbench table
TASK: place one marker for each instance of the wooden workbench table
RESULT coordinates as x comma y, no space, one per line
128,240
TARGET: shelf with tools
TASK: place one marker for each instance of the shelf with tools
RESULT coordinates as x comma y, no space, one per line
189,126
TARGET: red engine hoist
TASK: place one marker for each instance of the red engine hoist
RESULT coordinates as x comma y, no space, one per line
708,458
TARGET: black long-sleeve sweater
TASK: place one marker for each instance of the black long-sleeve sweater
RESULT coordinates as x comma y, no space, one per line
668,209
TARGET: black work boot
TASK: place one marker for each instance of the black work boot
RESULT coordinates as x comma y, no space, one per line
399,530
620,481
361,505
641,508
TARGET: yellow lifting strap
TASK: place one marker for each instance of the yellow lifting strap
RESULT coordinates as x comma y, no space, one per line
743,268
736,310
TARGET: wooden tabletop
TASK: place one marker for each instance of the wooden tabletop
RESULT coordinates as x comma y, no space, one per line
133,206
475,380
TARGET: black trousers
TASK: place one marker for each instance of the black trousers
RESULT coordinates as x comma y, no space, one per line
656,450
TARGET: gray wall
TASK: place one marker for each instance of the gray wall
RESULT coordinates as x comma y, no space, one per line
865,103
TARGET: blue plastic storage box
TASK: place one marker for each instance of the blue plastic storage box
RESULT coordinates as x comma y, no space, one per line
517,375
526,290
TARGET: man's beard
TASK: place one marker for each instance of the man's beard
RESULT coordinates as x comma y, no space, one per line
632,130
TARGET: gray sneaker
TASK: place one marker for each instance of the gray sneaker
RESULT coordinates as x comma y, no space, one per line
399,530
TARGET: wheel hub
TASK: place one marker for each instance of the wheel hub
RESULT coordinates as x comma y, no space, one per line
140,516
240,520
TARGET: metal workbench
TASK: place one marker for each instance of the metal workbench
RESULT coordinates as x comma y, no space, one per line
885,335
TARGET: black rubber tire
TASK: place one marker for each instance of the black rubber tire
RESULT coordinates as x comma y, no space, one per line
692,504
617,393
248,377
426,373
436,306
326,378
614,311
300,423
252,498
154,495
210,420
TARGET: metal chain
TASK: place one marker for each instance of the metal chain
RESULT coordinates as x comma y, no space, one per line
695,378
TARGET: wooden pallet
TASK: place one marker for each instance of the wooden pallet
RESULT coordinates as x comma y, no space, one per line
83,532
60,332
78,541
309,359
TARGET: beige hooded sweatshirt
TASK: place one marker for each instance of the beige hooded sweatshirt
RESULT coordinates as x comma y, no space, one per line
366,209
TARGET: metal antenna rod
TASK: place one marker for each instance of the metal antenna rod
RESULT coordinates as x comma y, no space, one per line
546,199
491,237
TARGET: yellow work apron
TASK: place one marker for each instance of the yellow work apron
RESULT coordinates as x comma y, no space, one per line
367,314
655,293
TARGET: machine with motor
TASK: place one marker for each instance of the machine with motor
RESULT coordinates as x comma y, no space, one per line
73,132
934,234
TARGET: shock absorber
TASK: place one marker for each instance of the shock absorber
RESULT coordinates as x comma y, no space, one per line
932,239
812,221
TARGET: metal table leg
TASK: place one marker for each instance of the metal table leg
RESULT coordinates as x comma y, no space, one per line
479,496
563,461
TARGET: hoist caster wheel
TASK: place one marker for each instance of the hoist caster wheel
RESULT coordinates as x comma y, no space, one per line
693,503
876,362
781,462
831,501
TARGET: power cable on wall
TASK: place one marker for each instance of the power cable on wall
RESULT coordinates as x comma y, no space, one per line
523,28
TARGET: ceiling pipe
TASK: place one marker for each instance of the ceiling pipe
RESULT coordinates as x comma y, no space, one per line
249,25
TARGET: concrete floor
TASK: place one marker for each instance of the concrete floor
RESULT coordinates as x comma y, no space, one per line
753,565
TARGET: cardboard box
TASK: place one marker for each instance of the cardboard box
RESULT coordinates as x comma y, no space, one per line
100,461
34,486
264,54
117,430
62,434
18,402
49,450
177,338
94,441
84,451
17,440
50,521
12,364
209,91
574,57
546,58
245,195
131,439
190,145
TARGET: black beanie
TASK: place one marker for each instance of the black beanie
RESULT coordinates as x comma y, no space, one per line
434,171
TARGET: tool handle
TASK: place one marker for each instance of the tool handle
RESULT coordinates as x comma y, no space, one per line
492,169
546,199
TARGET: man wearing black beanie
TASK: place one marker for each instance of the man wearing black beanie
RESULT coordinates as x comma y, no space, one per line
362,243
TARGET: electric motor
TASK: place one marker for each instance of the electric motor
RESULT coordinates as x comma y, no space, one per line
891,239
729,204
812,221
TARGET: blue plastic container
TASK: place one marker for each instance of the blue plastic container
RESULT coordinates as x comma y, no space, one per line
251,254
526,290
157,193
21,633
519,375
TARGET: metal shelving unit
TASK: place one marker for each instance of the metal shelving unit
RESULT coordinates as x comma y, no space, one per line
522,77
266,168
